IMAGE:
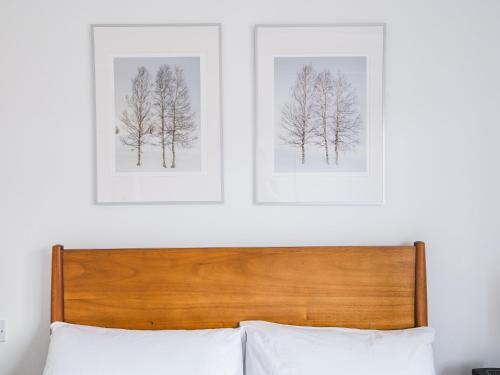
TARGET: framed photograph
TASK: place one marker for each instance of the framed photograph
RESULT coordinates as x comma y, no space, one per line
319,125
158,113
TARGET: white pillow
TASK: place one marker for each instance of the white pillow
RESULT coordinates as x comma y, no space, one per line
84,350
275,349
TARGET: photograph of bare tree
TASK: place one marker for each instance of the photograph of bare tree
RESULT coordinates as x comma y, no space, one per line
157,107
320,114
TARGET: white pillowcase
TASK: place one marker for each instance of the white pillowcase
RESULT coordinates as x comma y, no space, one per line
275,349
84,350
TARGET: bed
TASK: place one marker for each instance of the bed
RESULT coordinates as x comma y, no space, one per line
376,287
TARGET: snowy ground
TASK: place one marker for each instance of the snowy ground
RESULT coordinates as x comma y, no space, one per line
151,160
288,159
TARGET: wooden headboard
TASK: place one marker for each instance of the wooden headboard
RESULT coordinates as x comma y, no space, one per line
382,287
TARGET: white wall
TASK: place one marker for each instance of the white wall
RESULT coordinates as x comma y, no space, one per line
442,130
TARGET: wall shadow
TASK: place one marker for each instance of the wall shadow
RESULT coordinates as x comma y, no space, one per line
462,369
32,358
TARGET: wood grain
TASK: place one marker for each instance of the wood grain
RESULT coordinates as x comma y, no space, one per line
420,286
362,287
57,299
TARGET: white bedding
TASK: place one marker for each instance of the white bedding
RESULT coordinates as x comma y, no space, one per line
270,349
83,350
275,349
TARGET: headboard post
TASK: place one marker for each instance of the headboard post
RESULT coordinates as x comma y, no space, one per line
420,285
57,295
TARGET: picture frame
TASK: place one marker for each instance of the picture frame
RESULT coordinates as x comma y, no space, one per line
319,133
158,113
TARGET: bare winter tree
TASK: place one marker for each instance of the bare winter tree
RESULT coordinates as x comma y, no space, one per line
136,119
181,124
297,115
346,117
162,97
324,96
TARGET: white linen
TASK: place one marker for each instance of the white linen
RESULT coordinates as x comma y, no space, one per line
275,349
84,350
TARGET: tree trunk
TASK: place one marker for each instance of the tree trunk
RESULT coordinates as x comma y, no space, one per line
163,153
336,149
303,149
174,125
139,153
163,142
173,150
327,157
